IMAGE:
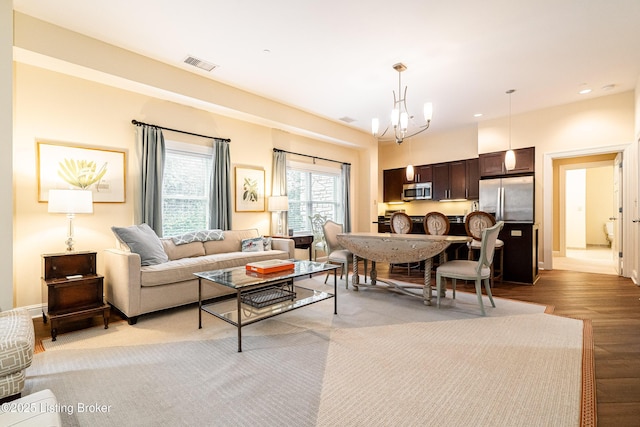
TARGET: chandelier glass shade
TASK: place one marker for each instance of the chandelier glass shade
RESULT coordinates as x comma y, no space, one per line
510,155
400,115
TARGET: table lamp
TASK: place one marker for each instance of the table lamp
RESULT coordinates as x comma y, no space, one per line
70,202
278,204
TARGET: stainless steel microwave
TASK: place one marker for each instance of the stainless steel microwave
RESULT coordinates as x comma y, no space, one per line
417,191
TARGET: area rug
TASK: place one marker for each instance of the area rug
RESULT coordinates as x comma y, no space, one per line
380,361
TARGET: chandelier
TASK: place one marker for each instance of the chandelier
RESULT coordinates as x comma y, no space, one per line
399,114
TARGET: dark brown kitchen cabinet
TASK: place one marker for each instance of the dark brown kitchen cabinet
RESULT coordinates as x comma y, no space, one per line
424,173
393,179
449,180
520,252
492,164
473,179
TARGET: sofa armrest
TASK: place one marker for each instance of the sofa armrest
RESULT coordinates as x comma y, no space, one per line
282,244
122,280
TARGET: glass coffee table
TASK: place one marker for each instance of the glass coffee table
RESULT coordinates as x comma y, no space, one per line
261,296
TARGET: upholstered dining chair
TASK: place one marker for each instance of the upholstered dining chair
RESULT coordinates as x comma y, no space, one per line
319,244
336,253
478,271
475,222
437,224
401,223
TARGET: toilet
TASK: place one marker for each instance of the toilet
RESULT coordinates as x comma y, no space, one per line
608,229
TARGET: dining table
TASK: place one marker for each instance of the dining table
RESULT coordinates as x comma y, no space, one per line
395,248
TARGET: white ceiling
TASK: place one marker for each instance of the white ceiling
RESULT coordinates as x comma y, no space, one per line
334,57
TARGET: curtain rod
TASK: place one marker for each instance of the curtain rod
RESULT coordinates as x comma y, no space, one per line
137,123
313,157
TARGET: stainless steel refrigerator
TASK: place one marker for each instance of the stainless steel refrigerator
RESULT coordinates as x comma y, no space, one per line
508,199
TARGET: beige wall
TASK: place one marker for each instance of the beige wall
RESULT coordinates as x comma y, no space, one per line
596,123
599,206
59,108
74,89
6,123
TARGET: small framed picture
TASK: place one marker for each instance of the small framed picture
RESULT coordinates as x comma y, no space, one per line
249,189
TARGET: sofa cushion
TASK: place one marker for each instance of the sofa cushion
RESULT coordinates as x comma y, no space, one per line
142,240
232,241
198,236
187,250
254,244
181,270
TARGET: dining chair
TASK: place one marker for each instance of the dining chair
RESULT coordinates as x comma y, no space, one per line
317,221
478,271
474,223
336,253
437,224
401,223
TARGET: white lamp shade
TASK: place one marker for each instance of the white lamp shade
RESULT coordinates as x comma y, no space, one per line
510,160
410,173
278,203
375,126
404,121
395,117
70,201
428,111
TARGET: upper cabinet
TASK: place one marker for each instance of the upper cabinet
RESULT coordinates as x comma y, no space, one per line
473,178
492,164
450,181
392,185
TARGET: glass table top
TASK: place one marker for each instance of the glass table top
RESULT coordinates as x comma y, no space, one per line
239,277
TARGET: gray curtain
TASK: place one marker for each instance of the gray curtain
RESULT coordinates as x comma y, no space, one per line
346,184
279,183
220,187
152,152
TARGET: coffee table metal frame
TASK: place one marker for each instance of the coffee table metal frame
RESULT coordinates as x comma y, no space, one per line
244,282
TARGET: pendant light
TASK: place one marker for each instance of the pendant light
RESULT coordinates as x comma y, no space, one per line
510,156
410,173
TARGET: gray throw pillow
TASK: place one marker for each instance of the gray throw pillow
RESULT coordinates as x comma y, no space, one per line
141,239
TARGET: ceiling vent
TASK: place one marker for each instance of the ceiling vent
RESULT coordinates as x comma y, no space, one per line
347,119
204,65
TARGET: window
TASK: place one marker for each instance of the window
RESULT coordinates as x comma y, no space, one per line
185,188
313,189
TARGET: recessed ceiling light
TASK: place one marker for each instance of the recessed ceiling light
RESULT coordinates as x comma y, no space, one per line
266,51
584,91
608,87
477,115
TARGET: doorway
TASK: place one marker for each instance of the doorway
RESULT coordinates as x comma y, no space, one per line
588,235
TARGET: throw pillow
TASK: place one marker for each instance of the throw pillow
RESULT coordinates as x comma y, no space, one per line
252,245
198,236
142,240
266,242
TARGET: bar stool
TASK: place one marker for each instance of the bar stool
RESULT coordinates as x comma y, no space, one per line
474,224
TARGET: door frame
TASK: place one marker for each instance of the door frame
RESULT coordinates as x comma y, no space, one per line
547,197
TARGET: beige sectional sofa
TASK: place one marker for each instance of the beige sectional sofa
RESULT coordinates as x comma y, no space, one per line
135,289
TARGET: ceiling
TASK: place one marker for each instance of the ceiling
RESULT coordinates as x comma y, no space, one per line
334,57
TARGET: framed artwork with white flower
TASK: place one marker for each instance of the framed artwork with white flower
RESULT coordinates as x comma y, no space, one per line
249,183
65,167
